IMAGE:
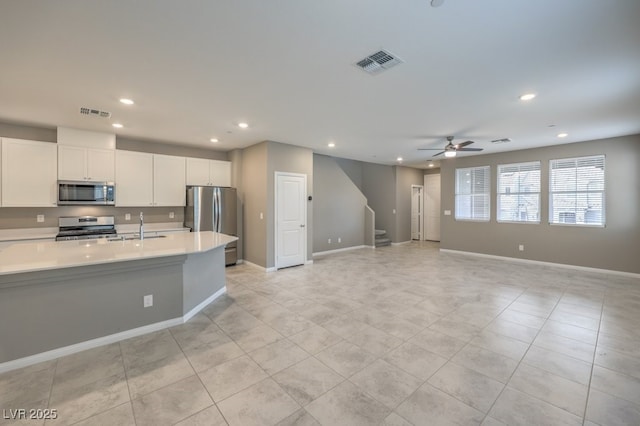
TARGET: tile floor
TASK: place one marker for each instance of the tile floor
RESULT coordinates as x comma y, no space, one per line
398,336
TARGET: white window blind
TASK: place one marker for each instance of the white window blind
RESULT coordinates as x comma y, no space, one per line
576,191
519,192
472,193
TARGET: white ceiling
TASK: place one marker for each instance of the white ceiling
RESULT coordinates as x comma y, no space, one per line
196,68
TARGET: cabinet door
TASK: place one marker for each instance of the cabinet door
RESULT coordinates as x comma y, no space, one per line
134,178
198,171
220,173
169,188
101,165
29,173
72,164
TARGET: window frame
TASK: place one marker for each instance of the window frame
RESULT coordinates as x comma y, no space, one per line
539,192
603,192
471,194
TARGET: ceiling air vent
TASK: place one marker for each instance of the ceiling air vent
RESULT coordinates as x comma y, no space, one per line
378,62
95,112
503,140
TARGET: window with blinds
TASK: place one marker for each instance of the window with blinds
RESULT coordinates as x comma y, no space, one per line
472,194
519,192
576,191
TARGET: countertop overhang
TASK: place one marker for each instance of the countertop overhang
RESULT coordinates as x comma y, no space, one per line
42,256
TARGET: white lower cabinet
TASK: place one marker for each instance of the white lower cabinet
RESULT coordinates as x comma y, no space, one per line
144,179
29,173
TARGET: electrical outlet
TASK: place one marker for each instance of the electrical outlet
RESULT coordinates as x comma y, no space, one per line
172,215
394,211
127,216
339,239
521,247
148,300
261,216
329,241
40,218
447,212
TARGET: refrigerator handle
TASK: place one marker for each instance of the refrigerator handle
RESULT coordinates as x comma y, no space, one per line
217,208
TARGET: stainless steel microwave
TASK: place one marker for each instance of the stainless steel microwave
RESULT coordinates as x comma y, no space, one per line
75,193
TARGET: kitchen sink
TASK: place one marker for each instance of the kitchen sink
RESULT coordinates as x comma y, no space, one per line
128,238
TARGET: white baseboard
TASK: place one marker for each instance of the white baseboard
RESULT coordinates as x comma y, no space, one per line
186,317
253,265
540,262
400,243
309,262
89,344
106,340
239,261
323,253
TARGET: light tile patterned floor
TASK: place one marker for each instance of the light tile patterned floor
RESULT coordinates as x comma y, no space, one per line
398,336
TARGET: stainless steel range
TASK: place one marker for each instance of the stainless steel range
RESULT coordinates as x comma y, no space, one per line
86,228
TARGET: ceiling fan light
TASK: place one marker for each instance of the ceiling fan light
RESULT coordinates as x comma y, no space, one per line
450,154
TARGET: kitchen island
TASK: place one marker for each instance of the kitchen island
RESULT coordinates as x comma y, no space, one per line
60,297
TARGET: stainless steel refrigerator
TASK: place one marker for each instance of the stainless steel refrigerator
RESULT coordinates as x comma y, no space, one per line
212,208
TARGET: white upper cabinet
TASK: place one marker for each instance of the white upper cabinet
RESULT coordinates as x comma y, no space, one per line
204,172
169,188
29,175
90,164
134,178
149,179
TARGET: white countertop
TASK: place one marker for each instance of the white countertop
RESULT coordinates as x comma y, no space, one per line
41,256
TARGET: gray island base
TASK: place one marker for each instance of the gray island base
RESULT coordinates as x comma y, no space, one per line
61,304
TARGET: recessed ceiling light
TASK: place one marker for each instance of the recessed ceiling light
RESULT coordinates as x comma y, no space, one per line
117,125
430,164
563,135
214,140
450,154
243,125
126,101
399,159
331,144
527,96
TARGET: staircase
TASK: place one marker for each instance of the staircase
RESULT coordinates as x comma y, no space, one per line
381,238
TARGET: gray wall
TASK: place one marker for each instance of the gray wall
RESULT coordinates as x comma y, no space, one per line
168,149
235,157
379,186
338,206
405,177
293,159
614,247
19,131
253,190
352,168
25,217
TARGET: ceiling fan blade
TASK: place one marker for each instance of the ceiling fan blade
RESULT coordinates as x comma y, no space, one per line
469,149
440,153
429,149
463,144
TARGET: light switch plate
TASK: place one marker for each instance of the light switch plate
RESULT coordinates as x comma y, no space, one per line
127,216
447,212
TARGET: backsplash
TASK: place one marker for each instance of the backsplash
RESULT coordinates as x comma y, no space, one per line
25,217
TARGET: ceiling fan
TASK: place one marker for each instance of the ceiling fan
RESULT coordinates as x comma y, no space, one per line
450,149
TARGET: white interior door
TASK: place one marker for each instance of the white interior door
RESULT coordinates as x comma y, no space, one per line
416,212
291,219
432,207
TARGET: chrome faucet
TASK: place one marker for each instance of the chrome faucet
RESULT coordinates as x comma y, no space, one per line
141,226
